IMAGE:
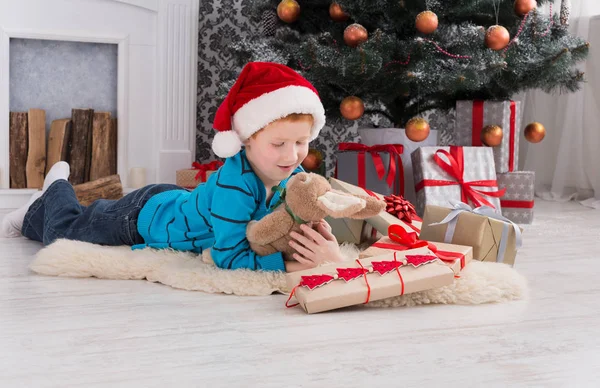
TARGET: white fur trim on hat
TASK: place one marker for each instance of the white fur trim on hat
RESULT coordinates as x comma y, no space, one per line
226,144
261,111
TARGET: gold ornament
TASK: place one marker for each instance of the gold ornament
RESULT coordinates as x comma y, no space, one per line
523,7
497,37
417,129
426,22
352,108
355,34
288,11
535,132
337,14
491,135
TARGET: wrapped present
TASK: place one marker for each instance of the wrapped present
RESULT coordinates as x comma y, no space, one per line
462,174
517,202
492,236
473,116
377,168
360,281
352,231
381,222
398,239
373,136
190,178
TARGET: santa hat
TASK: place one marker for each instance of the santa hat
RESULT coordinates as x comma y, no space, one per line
263,93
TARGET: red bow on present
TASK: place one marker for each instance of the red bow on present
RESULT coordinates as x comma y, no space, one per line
409,240
393,149
401,208
203,168
456,169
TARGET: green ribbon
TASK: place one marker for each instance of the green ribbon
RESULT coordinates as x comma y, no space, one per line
282,192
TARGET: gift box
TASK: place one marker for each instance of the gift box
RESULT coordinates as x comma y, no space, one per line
517,203
190,178
377,168
461,174
398,239
492,236
380,222
473,116
360,281
373,136
352,231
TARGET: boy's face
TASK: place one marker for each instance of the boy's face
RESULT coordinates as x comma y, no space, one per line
278,149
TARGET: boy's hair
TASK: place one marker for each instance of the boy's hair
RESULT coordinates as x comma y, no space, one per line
293,117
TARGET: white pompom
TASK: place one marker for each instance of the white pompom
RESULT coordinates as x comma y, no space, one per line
226,144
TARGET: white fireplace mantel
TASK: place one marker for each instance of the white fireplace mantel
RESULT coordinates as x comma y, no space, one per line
156,86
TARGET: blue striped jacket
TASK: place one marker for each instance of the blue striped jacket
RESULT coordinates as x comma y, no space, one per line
214,215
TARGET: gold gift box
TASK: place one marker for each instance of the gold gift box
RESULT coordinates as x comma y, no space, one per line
480,232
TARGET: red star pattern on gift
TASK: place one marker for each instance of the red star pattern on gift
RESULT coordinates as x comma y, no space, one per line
384,267
418,260
314,281
350,273
400,208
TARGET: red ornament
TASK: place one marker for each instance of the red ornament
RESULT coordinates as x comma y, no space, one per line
418,260
384,267
400,208
313,160
350,273
314,281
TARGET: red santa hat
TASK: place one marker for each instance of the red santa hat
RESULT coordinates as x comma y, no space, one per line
264,92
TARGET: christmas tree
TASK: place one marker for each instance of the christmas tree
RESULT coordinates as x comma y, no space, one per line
400,58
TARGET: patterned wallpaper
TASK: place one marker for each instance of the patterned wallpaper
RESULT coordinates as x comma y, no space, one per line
217,28
57,76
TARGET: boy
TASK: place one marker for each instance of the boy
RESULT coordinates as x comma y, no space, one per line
273,112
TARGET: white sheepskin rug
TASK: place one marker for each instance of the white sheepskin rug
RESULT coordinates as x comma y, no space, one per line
479,282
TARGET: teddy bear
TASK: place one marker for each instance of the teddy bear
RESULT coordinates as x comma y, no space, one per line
307,198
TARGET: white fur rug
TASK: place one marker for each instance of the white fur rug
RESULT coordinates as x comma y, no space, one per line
479,282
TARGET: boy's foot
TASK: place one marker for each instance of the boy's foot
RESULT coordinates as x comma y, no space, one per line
60,170
12,223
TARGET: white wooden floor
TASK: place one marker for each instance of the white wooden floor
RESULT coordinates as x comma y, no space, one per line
72,332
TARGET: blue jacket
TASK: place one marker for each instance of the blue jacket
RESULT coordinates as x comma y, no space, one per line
215,215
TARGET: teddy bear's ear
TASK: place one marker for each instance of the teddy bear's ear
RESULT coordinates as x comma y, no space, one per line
340,205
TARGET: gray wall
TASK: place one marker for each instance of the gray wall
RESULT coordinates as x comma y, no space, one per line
57,76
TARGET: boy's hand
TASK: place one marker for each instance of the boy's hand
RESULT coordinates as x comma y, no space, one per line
315,247
325,225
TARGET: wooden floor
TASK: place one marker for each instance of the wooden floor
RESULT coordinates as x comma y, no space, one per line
73,332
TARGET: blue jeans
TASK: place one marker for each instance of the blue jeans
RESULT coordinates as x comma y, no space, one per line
58,214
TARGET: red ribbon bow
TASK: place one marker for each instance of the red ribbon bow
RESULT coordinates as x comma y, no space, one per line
393,149
203,168
456,169
409,240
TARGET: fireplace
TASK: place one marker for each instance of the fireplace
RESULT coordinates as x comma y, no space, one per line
156,60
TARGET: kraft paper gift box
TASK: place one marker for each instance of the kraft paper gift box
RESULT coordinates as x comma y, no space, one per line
373,136
460,174
380,222
473,116
359,281
377,168
190,178
453,255
492,239
517,203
